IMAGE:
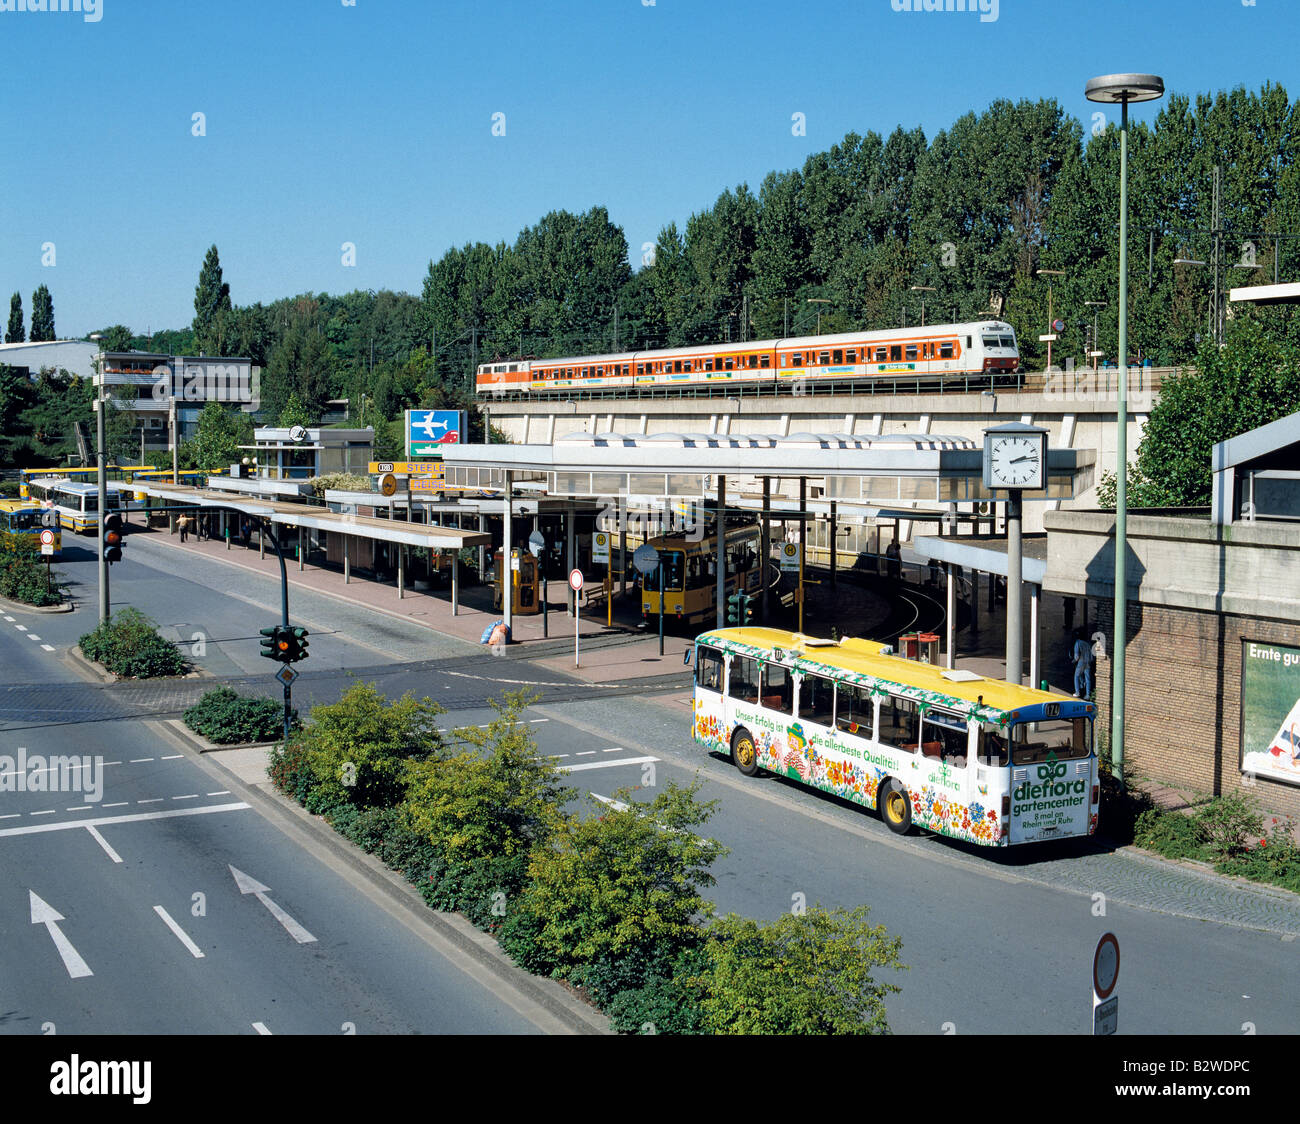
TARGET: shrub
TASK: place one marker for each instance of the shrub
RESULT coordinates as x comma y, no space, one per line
128,644
11,489
1274,858
290,769
1120,809
361,747
23,576
1171,834
1230,823
666,1003
806,973
339,482
226,718
618,883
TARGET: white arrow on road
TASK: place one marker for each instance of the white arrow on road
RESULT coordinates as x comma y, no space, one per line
45,914
253,886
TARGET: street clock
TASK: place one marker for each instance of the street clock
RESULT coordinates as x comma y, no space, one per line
1015,457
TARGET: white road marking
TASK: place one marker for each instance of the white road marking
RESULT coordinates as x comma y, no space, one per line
48,647
118,804
9,619
261,1027
134,817
47,915
223,792
152,800
606,764
181,935
190,796
21,627
617,805
80,808
139,760
252,886
172,757
12,816
585,753
46,812
33,636
103,843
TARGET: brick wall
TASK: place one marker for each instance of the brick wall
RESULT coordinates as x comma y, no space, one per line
1183,697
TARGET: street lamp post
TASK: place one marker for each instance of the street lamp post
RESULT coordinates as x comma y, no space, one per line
922,289
818,300
1122,88
1051,320
1096,349
101,478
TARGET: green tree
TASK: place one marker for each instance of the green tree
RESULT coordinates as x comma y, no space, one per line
212,308
222,429
42,315
118,337
16,333
622,883
362,747
294,413
808,973
302,363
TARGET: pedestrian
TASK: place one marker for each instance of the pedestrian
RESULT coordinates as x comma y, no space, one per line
894,563
1081,654
934,571
183,525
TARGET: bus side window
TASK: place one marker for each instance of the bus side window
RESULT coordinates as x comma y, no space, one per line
816,700
993,748
853,709
743,682
708,670
778,688
899,723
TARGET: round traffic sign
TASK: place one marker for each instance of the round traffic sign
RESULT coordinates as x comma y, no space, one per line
1105,965
47,538
575,579
646,559
388,485
1058,325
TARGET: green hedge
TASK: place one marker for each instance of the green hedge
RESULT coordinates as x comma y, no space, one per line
224,717
23,576
128,644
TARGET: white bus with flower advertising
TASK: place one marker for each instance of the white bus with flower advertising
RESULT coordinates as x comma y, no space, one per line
976,759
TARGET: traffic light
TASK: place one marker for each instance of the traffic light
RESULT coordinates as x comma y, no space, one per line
297,645
737,609
746,609
113,538
276,643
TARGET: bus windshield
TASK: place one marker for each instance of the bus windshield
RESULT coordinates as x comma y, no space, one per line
1068,739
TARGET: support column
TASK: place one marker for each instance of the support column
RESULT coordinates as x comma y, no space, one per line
1015,573
225,526
455,584
347,558
302,549
261,538
401,570
1035,593
834,540
622,546
765,548
507,575
950,628
570,552
482,550
803,542
720,561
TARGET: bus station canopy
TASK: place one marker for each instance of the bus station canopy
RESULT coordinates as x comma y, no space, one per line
987,553
320,519
891,470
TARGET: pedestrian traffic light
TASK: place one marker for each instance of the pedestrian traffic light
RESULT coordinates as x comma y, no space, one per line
297,644
113,538
276,643
736,609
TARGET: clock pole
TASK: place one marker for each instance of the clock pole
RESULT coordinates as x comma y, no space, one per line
1015,572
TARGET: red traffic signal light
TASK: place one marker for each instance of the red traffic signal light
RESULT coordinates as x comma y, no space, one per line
113,538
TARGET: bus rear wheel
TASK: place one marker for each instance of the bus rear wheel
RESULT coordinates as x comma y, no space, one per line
896,808
743,753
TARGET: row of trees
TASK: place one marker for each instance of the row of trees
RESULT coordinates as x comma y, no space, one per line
42,318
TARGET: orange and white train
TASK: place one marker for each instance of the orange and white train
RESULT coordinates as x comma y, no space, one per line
939,351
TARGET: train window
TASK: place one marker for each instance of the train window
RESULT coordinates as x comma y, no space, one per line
911,351
838,356
881,354
677,366
627,368
686,365
640,368
895,352
727,363
824,358
764,360
796,360
851,356
753,360
708,364
946,349
600,370
968,341
1008,341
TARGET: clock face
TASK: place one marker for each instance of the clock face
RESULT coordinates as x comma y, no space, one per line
1016,462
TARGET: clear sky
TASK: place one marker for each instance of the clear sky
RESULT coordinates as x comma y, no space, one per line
330,122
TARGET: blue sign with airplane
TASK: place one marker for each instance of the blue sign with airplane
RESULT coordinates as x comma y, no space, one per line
428,430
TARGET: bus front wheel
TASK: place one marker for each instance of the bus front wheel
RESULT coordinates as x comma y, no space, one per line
896,808
743,753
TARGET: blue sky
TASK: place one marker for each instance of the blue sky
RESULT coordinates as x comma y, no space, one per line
371,123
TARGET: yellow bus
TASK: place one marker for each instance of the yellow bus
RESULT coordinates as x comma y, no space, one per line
977,759
77,503
23,518
690,577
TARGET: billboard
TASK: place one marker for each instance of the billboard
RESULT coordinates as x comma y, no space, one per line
428,430
1270,711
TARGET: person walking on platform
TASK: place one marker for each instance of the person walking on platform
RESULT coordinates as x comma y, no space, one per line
893,561
183,525
1081,654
